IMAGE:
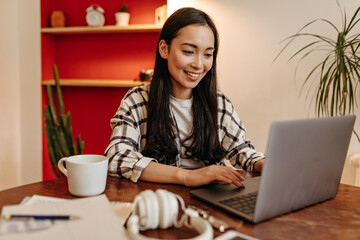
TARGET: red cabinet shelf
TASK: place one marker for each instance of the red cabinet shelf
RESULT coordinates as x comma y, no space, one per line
94,83
134,28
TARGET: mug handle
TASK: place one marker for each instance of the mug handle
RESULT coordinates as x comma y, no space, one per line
61,165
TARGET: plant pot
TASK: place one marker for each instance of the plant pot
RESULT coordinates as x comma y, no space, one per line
122,18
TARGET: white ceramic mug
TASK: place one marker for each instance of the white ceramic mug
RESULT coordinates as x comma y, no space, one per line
86,174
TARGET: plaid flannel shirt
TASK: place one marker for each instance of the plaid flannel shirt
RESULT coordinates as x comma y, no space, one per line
128,136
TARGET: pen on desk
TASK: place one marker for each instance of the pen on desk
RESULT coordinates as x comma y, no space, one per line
39,217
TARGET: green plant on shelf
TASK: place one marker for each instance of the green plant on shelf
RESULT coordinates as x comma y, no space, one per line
123,8
58,128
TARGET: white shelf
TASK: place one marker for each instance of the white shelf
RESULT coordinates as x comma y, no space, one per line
94,82
133,28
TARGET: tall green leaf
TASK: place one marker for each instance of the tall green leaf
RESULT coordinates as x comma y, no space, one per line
337,76
58,128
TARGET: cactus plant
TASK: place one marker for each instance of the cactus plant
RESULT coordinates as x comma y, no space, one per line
58,128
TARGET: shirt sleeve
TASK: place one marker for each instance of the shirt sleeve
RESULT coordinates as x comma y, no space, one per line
123,151
240,152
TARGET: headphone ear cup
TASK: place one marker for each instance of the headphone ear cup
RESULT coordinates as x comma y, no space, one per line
146,206
174,208
165,211
140,210
152,209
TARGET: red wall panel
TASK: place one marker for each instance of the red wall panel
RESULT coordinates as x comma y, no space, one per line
95,56
108,56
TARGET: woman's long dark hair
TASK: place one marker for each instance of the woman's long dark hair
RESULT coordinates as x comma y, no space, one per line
161,128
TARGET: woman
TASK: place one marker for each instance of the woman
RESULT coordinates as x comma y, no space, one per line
180,129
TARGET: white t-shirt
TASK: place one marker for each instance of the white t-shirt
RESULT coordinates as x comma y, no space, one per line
183,114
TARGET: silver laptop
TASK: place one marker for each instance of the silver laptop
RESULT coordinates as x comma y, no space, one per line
303,166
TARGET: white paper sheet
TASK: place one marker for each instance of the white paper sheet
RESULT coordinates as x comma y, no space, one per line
38,199
98,221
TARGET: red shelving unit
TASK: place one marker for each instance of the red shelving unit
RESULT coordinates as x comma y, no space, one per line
101,63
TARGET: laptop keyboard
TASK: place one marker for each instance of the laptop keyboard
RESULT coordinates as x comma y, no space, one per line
244,203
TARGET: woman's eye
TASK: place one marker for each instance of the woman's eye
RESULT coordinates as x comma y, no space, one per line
188,52
208,55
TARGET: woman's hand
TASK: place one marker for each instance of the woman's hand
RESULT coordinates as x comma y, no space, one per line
161,173
206,175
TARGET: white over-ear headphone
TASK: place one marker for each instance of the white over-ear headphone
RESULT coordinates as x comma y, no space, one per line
160,209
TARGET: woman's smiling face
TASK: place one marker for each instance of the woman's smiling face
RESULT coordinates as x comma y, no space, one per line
189,58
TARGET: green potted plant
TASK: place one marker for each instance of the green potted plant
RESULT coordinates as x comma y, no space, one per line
122,16
337,75
58,128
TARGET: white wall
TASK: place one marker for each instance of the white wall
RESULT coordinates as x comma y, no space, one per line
9,96
30,90
20,98
250,32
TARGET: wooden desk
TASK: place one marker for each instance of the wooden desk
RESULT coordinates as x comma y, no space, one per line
335,219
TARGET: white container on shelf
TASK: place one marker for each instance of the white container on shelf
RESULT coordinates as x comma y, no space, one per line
122,18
